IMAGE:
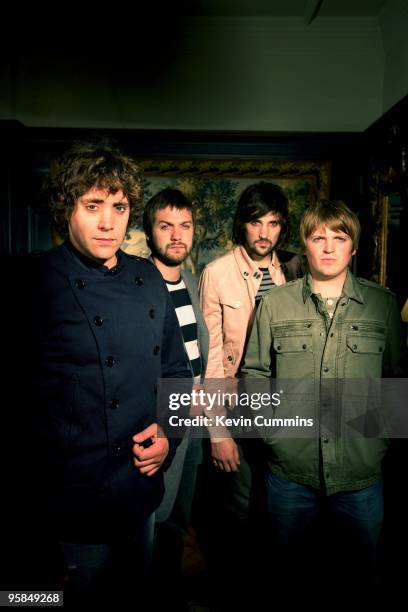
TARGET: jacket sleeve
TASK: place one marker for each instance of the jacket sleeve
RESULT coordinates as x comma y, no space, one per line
393,354
258,354
212,312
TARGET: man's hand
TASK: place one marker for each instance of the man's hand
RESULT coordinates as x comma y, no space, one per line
149,460
225,455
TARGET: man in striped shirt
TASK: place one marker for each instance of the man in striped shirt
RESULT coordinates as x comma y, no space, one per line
168,222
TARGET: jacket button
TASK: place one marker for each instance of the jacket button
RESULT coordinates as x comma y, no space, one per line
331,334
138,280
229,357
325,440
114,404
308,325
304,346
116,448
380,349
98,321
325,369
151,313
110,361
279,347
245,273
354,327
156,350
354,347
79,283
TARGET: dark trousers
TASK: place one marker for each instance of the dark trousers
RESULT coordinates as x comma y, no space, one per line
117,572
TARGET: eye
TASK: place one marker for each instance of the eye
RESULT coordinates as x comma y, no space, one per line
186,226
91,207
121,208
317,238
254,223
341,238
274,223
164,226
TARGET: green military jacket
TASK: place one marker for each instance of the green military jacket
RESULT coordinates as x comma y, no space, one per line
293,337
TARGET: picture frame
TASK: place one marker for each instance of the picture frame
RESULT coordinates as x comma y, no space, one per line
214,186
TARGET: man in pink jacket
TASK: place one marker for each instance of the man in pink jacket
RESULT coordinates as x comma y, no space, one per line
230,288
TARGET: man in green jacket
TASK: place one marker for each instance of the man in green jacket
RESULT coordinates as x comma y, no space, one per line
329,325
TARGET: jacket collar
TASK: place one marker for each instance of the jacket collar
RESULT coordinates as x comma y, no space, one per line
351,289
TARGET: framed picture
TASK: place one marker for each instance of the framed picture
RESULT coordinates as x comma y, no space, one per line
214,185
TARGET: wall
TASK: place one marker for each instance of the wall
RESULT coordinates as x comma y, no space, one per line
204,73
394,28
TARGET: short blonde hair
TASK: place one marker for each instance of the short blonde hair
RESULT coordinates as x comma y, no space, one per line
336,215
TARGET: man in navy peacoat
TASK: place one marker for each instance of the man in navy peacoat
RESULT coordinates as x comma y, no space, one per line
105,331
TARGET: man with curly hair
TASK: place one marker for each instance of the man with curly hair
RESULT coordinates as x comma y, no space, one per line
106,330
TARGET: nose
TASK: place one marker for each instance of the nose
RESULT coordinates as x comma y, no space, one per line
106,219
175,233
263,231
329,245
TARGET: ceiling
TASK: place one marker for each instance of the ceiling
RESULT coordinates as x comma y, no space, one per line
287,8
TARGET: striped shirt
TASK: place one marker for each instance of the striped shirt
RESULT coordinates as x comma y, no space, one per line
188,324
266,284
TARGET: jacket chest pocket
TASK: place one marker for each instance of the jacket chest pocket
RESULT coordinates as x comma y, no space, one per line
293,355
364,355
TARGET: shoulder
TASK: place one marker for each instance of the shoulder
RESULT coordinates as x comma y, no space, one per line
134,262
290,288
221,262
293,262
189,278
287,257
372,287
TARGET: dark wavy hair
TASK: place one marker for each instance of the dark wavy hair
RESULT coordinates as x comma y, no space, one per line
91,164
256,201
166,197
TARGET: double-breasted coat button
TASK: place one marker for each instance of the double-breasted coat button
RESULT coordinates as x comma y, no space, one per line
98,321
156,350
138,280
110,361
114,404
151,313
79,283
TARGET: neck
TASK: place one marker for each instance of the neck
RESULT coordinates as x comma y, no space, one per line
169,273
329,288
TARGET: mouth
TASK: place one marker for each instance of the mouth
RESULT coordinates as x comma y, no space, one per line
176,246
263,243
105,241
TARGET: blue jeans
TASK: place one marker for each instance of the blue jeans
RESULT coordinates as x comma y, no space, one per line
116,569
294,509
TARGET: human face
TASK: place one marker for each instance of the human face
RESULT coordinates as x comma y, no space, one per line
172,235
261,235
328,253
98,223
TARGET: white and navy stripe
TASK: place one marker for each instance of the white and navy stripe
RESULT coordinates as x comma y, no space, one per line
266,284
188,323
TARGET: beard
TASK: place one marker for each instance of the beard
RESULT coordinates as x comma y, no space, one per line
166,256
264,251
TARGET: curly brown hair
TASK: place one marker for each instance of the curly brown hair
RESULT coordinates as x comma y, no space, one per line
86,165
